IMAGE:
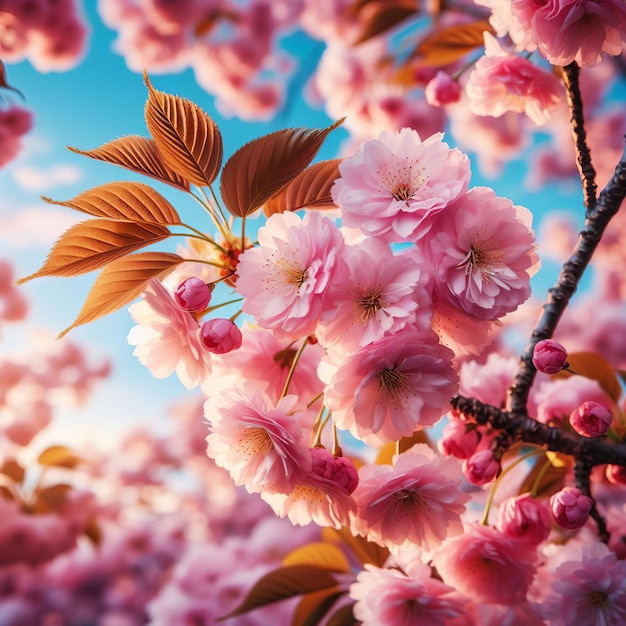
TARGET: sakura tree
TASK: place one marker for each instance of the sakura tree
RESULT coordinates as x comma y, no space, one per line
349,321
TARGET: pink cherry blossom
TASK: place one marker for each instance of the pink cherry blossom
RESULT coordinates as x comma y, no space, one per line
570,507
591,419
257,441
502,82
485,564
167,339
588,590
388,389
483,250
394,185
322,496
524,517
388,596
415,502
15,122
488,381
549,356
286,278
374,294
573,30
267,360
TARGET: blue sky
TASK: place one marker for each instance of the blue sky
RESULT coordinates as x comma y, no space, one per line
85,107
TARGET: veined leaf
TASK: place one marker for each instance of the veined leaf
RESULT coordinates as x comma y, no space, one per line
123,201
323,555
311,189
94,243
121,282
138,154
187,138
59,456
283,583
381,15
261,168
450,44
313,606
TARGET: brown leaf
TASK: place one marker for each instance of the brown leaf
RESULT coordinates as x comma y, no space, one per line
382,15
212,19
59,456
311,189
450,44
595,367
121,282
323,555
51,499
13,470
313,606
93,532
343,617
123,201
261,168
138,154
187,138
94,243
6,493
365,551
283,583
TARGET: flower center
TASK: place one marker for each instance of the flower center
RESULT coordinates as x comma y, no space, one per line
403,180
600,599
480,259
392,381
307,494
255,441
367,305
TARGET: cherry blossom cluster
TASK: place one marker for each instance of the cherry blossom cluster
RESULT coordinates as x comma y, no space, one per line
51,34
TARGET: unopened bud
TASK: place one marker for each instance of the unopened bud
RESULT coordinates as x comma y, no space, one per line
458,440
193,294
525,518
549,356
220,335
442,89
570,508
482,467
591,419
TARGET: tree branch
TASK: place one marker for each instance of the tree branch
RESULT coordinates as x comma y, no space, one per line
571,77
559,296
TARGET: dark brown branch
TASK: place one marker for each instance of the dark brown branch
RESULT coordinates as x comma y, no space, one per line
582,480
595,451
559,296
571,77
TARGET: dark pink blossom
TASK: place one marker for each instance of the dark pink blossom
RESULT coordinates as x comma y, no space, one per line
193,294
591,419
220,335
525,518
570,508
482,467
549,356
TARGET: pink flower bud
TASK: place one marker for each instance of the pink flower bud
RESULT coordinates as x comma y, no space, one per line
220,336
344,473
591,419
338,469
457,440
525,518
193,294
442,89
616,474
570,508
482,467
549,356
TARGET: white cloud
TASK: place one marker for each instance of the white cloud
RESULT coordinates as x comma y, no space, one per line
35,227
40,180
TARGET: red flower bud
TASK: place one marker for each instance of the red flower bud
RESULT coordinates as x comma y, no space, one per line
482,467
193,294
591,419
570,508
